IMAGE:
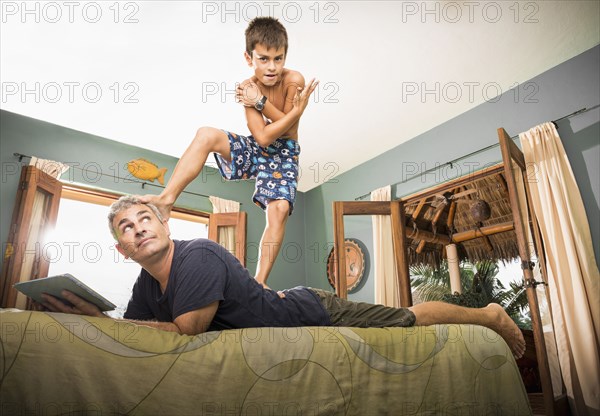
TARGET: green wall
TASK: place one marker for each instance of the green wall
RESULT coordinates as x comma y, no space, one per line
101,158
553,94
559,91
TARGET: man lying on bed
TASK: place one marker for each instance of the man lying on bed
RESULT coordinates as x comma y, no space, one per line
190,287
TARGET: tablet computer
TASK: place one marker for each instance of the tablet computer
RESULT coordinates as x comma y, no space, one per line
54,285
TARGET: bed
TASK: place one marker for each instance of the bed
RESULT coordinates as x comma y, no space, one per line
67,364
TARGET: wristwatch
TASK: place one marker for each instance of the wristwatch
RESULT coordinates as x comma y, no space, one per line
260,104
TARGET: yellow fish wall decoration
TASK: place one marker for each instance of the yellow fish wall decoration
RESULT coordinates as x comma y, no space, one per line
146,170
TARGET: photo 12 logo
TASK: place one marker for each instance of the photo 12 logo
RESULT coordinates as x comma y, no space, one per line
467,91
69,11
469,11
287,12
219,92
69,91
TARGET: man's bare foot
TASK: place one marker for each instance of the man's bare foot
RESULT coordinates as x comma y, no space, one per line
507,329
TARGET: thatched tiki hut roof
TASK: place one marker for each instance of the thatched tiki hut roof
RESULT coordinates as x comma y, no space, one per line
474,213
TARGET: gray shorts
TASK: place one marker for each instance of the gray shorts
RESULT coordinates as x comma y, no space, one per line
363,315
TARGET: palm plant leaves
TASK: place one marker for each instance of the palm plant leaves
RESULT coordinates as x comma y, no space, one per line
481,286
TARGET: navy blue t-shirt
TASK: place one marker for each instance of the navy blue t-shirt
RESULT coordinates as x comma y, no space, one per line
203,272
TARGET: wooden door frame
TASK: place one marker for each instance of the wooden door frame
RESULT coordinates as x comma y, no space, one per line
395,209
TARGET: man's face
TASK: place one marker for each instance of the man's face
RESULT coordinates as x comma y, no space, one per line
141,235
267,63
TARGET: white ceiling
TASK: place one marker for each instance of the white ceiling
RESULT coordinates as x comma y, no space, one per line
179,61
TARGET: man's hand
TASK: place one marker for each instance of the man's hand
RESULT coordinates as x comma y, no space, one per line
160,202
80,306
303,94
248,93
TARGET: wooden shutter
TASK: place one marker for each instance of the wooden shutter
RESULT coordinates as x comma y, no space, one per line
230,219
34,213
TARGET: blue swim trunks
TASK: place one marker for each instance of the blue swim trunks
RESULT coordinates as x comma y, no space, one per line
275,168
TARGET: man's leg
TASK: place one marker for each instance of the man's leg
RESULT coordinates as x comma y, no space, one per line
277,213
366,315
207,140
493,316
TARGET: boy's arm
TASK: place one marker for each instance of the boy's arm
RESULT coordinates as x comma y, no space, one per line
249,93
267,134
272,112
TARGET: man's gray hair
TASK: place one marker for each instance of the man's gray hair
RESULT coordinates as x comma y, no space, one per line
126,202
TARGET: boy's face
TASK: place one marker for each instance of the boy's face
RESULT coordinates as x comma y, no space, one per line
267,63
140,234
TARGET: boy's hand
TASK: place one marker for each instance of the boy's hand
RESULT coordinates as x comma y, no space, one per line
159,202
303,94
248,93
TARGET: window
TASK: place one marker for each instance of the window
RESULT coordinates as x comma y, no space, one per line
81,244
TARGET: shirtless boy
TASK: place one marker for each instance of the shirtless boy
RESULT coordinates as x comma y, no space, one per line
274,99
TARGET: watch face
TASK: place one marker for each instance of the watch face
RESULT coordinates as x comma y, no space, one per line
260,104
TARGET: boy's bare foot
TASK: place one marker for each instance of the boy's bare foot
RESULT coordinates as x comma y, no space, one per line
507,329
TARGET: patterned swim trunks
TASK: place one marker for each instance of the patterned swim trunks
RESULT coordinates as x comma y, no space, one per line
275,167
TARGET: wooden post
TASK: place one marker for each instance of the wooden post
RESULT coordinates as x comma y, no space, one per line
454,269
401,252
451,214
482,232
510,153
426,236
418,209
341,286
421,246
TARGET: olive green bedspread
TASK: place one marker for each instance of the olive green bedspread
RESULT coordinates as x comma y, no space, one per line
67,364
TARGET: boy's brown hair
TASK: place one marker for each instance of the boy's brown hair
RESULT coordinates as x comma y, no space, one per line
267,31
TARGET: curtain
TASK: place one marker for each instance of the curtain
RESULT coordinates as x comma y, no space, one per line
226,234
573,275
543,304
387,291
49,167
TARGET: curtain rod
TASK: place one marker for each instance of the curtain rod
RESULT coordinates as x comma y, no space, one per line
21,156
450,163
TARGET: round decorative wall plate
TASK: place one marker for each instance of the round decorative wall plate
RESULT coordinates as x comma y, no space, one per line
355,264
